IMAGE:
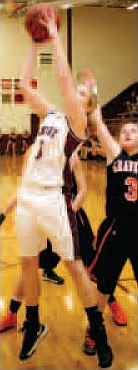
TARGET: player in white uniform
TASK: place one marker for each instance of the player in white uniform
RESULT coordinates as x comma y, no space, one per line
41,207
41,204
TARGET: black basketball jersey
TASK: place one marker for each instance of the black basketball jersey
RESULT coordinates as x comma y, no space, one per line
122,185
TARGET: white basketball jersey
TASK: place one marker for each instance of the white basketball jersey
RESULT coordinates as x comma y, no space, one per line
47,159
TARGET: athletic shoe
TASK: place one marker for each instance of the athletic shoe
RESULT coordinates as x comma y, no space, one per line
98,334
52,277
30,340
8,322
104,351
118,315
89,345
105,357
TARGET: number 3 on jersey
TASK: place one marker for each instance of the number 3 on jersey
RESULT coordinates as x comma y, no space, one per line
132,193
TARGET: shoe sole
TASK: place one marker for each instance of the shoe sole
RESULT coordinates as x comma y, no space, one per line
8,328
33,349
117,323
52,281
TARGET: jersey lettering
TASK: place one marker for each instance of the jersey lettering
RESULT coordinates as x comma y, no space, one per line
125,166
132,193
48,130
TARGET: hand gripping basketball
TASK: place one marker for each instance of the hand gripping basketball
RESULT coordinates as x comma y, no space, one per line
38,24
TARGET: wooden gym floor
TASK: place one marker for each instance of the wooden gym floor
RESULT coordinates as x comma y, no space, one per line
61,309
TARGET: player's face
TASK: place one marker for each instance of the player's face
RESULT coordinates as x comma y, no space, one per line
129,136
83,95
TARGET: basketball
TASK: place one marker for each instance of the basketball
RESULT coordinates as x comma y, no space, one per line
35,15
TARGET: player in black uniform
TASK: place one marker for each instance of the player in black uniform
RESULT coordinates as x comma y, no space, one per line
121,210
120,226
117,237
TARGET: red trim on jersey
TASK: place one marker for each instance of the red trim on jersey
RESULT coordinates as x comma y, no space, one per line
90,268
73,134
80,217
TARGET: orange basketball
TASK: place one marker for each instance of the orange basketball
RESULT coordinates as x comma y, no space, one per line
36,13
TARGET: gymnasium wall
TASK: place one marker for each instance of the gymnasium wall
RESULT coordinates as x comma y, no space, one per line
106,41
103,39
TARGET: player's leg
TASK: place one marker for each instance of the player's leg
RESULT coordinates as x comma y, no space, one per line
31,288
88,251
112,257
108,264
27,235
66,240
87,292
85,288
33,329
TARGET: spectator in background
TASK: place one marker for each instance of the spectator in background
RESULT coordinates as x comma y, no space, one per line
128,105
1,135
134,101
11,144
25,141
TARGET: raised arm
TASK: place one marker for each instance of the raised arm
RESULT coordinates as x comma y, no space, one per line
35,100
73,110
94,117
110,146
80,181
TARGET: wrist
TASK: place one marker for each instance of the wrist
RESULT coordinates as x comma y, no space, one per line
55,38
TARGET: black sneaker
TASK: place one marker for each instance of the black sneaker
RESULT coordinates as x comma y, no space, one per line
30,340
52,277
104,351
105,357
